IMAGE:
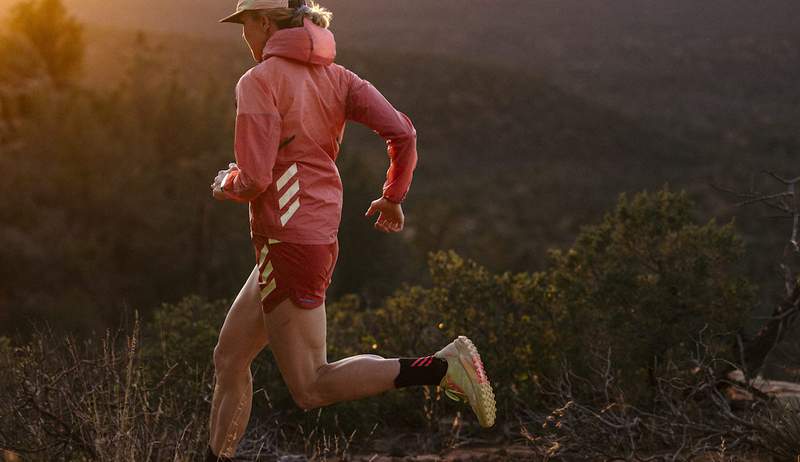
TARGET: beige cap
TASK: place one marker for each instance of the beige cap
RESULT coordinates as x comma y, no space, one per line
244,5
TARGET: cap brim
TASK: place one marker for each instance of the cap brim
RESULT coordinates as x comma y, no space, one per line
234,18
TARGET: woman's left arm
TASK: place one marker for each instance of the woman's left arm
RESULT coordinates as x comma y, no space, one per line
256,141
366,105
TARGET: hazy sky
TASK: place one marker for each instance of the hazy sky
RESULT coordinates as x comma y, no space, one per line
406,20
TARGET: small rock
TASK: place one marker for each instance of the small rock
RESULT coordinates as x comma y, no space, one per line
292,458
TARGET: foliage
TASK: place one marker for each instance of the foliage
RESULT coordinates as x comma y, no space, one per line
41,36
41,47
187,331
5,345
120,173
94,400
118,167
645,278
105,399
110,209
695,415
681,275
180,341
639,283
121,178
498,312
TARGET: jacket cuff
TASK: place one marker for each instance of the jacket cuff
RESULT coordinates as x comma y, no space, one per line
393,200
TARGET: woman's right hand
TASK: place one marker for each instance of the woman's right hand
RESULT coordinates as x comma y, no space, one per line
390,219
216,186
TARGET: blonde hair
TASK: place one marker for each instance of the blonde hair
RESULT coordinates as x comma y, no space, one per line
289,17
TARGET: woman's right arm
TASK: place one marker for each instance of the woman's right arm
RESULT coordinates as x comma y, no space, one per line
256,140
366,105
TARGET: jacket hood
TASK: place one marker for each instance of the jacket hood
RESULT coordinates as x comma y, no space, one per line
310,44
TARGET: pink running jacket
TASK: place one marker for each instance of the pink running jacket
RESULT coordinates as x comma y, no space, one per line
290,120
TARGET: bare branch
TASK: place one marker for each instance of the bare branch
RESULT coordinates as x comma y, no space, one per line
768,198
781,179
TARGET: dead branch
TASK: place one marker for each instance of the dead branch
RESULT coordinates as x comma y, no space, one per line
786,313
691,416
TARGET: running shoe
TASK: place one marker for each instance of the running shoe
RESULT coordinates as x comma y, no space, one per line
466,379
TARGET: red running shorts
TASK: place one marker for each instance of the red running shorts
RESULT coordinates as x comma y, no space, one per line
301,272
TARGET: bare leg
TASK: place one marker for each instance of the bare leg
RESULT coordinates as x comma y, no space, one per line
242,337
298,342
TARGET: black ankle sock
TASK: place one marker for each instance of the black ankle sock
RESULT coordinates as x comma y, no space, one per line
427,370
211,457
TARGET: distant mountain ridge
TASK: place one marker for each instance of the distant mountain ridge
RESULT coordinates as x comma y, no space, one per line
415,22
724,67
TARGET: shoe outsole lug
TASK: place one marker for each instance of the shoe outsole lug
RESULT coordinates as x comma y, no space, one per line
486,405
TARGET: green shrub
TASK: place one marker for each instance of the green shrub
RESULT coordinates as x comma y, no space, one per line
187,331
640,283
646,280
501,313
5,345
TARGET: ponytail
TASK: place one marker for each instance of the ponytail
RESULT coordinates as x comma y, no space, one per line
298,9
313,11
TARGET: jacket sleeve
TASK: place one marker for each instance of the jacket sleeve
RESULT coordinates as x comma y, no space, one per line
256,139
366,105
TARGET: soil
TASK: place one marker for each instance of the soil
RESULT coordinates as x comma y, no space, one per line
482,454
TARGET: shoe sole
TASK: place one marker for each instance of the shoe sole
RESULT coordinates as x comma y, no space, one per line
482,397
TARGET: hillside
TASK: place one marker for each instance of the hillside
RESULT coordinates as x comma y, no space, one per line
532,116
530,140
726,68
552,158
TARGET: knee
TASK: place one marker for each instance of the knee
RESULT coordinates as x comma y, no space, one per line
308,399
227,363
311,396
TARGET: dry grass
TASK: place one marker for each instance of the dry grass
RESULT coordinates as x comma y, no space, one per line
104,400
107,400
690,416
96,401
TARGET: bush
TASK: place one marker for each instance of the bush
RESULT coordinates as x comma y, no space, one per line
691,417
500,313
185,334
95,400
644,280
40,35
180,344
639,283
634,287
187,331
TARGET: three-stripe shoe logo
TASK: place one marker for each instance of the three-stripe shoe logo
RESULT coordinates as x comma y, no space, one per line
265,271
288,194
422,362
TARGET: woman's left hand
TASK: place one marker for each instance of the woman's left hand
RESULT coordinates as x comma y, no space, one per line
391,217
216,186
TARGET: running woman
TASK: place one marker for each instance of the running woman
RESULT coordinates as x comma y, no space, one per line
291,111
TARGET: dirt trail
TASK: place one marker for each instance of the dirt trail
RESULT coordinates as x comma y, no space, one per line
483,454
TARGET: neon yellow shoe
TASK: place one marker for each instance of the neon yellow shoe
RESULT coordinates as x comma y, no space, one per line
466,379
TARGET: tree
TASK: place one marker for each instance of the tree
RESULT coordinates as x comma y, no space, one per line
42,36
646,280
42,46
785,319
